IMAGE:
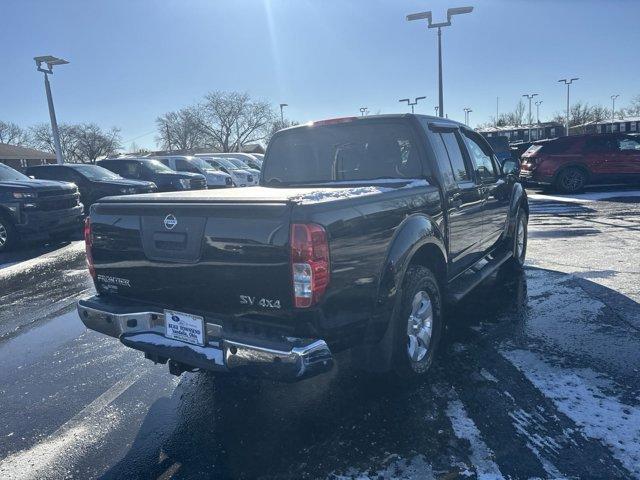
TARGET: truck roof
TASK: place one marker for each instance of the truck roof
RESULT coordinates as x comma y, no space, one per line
337,120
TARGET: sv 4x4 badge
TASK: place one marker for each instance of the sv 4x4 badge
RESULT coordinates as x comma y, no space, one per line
263,302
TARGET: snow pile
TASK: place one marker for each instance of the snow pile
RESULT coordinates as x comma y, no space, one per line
586,197
481,455
576,394
329,194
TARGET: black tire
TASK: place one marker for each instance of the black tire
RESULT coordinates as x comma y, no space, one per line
518,244
417,280
571,180
8,234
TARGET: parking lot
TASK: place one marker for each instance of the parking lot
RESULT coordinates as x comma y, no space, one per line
538,377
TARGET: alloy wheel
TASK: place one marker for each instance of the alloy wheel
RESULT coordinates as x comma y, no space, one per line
4,235
420,327
572,180
520,238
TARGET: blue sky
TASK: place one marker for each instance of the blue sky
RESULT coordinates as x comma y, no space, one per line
136,59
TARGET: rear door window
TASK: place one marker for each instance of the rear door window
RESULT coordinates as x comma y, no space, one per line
459,168
628,144
184,166
480,157
604,144
357,150
131,170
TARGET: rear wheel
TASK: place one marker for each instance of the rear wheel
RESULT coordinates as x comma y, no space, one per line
418,322
571,180
8,234
518,244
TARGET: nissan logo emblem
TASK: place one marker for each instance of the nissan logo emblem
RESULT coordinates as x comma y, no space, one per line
170,221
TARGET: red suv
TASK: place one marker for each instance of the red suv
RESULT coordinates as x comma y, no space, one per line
571,163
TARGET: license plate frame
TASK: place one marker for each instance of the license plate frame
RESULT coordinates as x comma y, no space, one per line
184,327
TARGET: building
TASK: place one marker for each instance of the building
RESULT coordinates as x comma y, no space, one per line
621,125
520,133
23,157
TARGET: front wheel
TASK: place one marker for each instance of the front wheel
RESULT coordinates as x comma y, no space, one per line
418,321
8,234
571,180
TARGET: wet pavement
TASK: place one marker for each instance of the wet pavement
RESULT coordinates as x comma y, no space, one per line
538,377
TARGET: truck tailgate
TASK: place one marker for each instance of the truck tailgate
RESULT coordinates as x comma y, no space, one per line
201,257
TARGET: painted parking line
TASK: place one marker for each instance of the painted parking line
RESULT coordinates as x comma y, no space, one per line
58,451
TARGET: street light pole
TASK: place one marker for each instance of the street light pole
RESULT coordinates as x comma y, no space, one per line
436,109
282,105
538,103
363,111
613,110
412,104
467,111
530,96
428,16
51,61
567,82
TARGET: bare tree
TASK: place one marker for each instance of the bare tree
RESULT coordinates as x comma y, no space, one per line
633,110
41,138
13,134
83,143
179,130
581,113
229,120
92,142
277,125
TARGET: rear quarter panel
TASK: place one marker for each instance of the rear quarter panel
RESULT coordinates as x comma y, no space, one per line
360,236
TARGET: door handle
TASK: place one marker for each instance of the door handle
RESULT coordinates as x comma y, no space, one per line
456,199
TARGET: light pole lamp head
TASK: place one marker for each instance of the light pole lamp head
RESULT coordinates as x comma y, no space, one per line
50,61
429,16
419,98
405,100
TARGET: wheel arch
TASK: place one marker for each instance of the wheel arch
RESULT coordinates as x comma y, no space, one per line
519,200
6,214
577,165
417,241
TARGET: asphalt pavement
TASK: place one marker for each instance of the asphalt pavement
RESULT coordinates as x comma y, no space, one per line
538,377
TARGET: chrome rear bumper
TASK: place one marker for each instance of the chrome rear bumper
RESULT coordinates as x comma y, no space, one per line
288,359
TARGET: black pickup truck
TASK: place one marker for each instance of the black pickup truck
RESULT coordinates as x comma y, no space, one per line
36,209
359,233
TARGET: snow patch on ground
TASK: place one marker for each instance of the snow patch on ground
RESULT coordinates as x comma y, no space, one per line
577,395
329,194
12,268
486,374
585,197
416,468
481,456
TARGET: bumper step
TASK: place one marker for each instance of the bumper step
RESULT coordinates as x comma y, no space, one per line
291,359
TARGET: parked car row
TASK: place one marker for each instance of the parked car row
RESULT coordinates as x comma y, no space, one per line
569,164
50,200
36,209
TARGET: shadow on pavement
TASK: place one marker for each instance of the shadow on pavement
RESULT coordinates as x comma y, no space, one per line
217,427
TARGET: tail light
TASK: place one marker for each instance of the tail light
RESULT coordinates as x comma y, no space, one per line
88,243
310,263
